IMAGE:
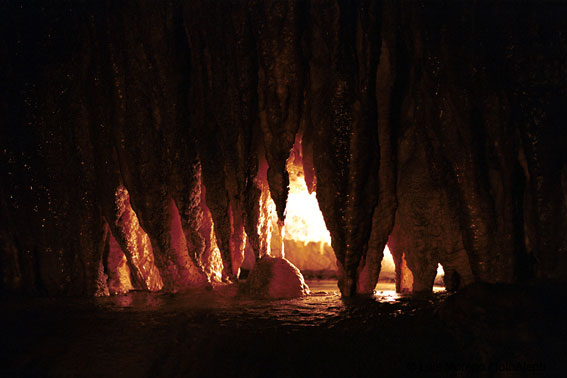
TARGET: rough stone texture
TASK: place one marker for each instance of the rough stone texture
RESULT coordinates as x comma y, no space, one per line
274,278
461,96
119,281
343,117
388,98
279,27
224,93
438,124
134,243
426,226
210,259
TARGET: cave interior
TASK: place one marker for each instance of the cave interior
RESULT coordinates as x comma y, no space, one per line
173,151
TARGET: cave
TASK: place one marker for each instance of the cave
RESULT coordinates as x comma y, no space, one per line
302,188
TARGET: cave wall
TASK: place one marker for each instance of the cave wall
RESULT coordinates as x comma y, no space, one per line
436,125
471,71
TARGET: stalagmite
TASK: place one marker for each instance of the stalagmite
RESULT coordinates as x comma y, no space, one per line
275,278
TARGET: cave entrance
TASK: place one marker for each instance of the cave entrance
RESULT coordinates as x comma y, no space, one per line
306,240
388,275
439,283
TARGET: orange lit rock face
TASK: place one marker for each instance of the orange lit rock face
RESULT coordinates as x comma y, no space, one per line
131,262
404,278
210,259
267,216
263,236
391,121
183,271
135,245
311,256
117,268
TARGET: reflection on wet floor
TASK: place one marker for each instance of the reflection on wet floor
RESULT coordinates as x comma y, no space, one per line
323,307
212,333
324,295
187,334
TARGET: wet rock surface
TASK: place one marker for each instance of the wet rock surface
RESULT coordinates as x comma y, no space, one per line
210,333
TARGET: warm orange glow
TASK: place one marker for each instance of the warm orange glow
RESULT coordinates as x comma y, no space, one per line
440,271
118,271
388,268
304,221
388,265
136,243
304,233
267,217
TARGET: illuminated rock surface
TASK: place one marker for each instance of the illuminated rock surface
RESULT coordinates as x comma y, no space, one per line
147,152
150,147
275,278
438,126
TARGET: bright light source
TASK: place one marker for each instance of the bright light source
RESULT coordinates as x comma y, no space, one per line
304,220
387,262
440,271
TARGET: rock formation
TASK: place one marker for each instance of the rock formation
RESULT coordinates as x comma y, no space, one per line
142,141
274,278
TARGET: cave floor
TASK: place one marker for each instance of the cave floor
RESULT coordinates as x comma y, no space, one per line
217,334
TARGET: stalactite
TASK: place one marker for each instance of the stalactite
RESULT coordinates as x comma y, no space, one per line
279,28
263,210
343,117
388,88
538,108
437,124
226,130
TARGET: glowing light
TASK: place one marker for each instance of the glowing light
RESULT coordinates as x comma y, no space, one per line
440,271
304,221
439,282
388,265
387,272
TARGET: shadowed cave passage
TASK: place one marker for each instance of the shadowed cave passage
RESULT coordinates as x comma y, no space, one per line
148,151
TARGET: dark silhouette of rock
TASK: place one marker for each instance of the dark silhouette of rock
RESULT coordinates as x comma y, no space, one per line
437,125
